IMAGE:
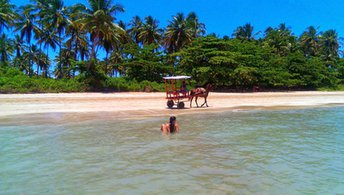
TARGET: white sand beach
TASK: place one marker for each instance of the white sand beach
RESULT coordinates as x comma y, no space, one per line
144,104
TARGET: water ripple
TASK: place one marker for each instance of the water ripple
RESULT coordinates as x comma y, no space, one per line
265,152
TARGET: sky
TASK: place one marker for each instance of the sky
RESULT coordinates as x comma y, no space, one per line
222,17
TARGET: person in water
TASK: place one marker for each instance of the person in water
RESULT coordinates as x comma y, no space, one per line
171,127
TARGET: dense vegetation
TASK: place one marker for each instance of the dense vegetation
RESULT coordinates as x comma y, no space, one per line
137,54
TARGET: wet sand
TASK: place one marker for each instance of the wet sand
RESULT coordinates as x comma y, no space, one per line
139,104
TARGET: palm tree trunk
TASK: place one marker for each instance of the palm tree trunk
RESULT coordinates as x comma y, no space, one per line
93,53
76,50
106,63
60,65
30,70
40,44
46,68
30,61
37,69
75,56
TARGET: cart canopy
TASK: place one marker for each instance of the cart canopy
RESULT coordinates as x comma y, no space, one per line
176,77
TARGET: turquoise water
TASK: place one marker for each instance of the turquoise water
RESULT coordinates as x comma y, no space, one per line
297,151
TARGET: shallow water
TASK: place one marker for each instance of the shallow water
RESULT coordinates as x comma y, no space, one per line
297,151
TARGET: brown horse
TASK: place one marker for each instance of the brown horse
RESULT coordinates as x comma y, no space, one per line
200,92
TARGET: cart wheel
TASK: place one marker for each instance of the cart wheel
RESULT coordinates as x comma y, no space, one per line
170,103
180,105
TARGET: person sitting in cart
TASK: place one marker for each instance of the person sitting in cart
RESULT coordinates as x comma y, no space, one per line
183,89
183,86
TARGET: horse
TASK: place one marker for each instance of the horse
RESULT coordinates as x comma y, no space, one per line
200,92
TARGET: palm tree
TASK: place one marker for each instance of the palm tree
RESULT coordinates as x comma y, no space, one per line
77,40
66,63
115,60
309,41
268,31
281,39
26,25
40,59
48,39
18,45
22,62
6,48
19,48
33,56
99,22
57,21
108,46
244,32
40,11
150,32
329,44
122,24
136,27
283,28
177,34
198,29
43,62
113,43
6,14
125,37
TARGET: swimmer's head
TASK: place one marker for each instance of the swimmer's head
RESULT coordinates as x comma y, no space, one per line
172,119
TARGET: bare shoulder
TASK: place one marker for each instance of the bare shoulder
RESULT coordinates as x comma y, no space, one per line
177,127
163,127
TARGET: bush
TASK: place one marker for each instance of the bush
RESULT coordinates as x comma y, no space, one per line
125,84
14,81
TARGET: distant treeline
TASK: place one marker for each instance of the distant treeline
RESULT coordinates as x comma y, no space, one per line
142,53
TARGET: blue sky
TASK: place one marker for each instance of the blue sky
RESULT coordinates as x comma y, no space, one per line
223,16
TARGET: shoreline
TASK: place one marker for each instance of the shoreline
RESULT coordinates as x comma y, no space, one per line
141,104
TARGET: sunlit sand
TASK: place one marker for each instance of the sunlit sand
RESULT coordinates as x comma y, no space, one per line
144,104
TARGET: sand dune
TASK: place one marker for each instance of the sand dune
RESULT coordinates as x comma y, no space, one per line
142,104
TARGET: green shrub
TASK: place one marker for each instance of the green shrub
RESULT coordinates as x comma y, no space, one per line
14,81
125,84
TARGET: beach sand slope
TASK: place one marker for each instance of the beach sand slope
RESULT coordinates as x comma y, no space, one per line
143,104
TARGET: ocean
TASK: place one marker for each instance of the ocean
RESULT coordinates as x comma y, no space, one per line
281,151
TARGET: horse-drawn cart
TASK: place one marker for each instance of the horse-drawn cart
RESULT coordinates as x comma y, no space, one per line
176,92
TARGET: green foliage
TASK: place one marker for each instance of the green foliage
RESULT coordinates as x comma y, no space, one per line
341,70
245,76
219,61
125,84
145,53
339,87
145,63
240,64
14,81
92,74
